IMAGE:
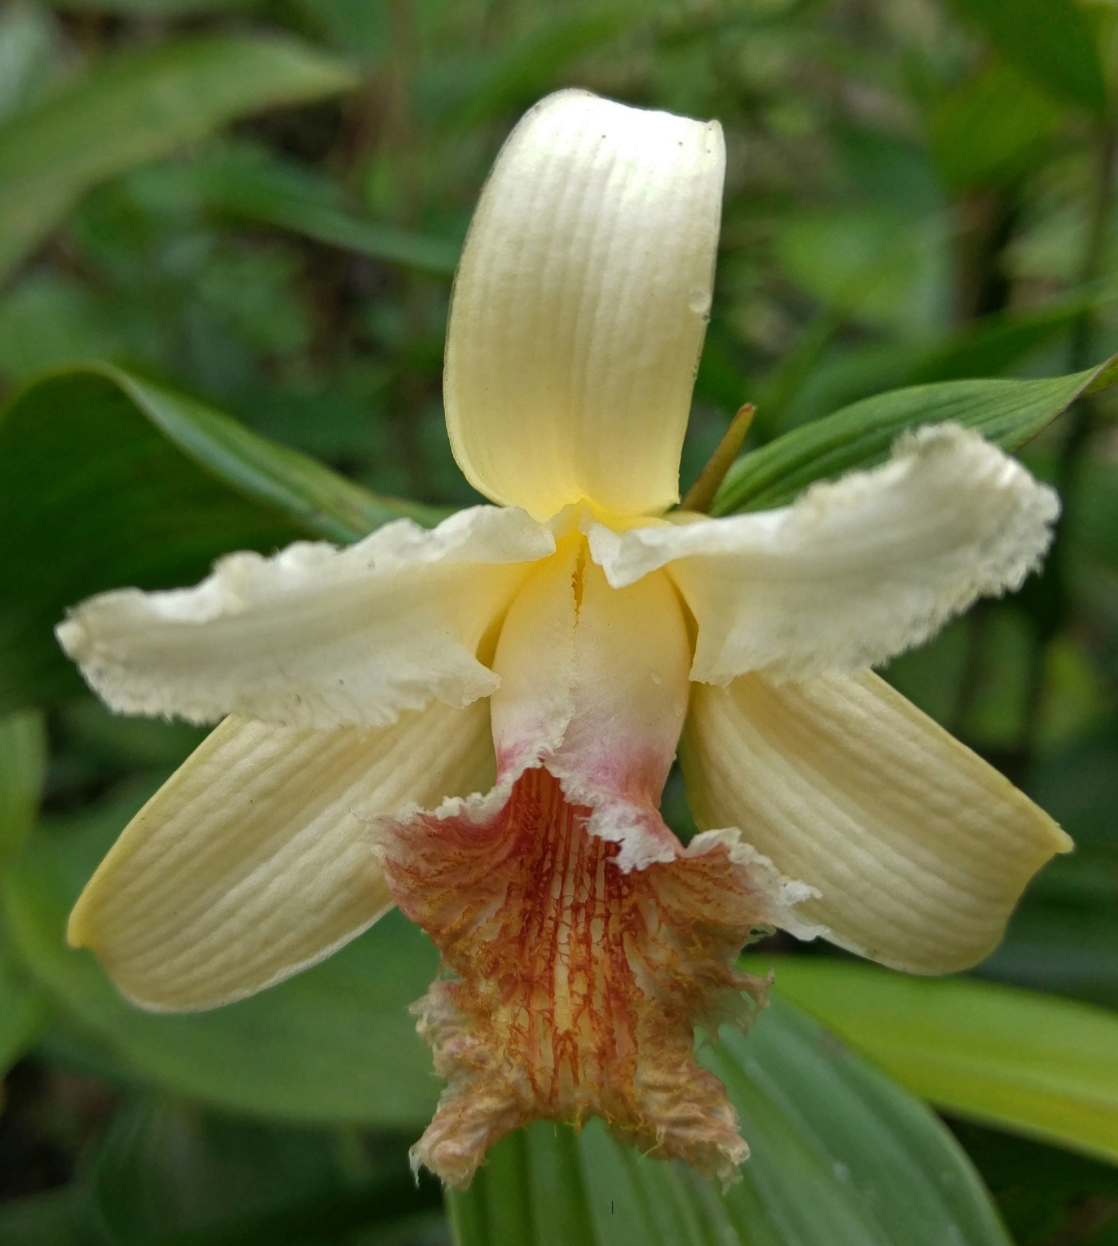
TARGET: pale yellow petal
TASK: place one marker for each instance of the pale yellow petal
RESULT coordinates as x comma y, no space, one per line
918,848
315,636
580,306
854,571
255,859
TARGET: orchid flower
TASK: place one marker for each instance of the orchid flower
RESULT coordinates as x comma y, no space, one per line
476,722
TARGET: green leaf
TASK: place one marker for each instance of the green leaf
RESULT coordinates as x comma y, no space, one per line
168,1172
1007,413
840,1155
137,107
334,1044
283,194
816,377
1035,1063
109,480
1051,41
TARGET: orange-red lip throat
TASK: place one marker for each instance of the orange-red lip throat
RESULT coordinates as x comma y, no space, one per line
571,989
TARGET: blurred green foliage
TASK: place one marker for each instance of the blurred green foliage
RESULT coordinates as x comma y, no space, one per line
249,211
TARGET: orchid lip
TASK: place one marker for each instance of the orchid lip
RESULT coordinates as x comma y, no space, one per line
571,987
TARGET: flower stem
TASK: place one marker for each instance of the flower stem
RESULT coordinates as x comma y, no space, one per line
701,494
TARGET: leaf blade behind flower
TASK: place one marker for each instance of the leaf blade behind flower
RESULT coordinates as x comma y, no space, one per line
256,188
107,480
137,107
1041,1065
1007,412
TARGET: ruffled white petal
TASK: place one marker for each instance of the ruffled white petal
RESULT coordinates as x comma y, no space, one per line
315,636
254,860
854,572
918,849
580,306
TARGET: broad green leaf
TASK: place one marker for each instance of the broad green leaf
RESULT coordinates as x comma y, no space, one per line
135,108
1051,41
334,1044
167,1163
1045,1066
283,194
108,480
840,1155
168,1171
817,377
1007,413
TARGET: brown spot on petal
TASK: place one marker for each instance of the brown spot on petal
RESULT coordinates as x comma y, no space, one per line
572,988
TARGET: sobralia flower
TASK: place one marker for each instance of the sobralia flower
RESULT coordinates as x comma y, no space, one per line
476,722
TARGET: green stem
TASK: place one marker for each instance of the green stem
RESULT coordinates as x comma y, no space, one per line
701,493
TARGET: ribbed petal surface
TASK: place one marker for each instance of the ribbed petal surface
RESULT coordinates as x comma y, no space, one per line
315,636
254,860
580,306
918,848
854,572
